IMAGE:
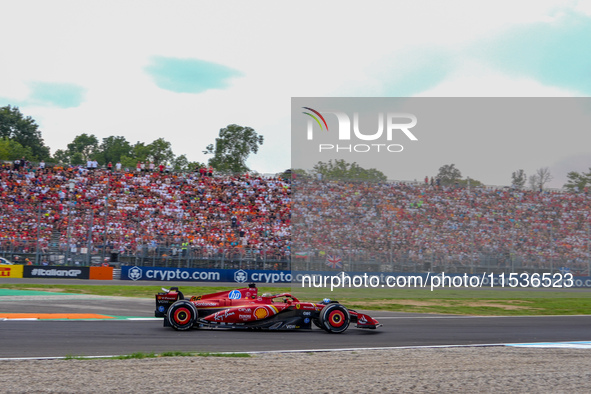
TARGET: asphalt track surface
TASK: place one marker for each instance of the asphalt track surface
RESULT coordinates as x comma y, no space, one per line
48,338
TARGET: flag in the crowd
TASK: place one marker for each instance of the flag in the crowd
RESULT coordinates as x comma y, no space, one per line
304,254
333,261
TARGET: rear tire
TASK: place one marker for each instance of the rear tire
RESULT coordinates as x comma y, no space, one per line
181,315
334,318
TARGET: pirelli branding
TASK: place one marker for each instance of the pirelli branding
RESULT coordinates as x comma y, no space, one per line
11,271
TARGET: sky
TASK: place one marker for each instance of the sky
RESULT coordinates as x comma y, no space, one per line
182,70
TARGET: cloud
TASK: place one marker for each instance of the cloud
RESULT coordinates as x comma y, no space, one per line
189,75
421,70
49,94
61,95
549,56
554,52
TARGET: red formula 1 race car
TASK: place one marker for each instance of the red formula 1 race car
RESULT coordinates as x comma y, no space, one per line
245,308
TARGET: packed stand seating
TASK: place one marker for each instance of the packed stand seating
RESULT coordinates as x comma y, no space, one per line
395,223
189,213
204,216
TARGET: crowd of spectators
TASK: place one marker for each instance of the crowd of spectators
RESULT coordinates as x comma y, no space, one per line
187,213
199,214
397,223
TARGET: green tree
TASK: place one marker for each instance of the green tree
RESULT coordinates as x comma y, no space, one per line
577,181
128,162
449,174
518,179
139,152
233,146
181,163
469,182
82,148
296,172
342,170
15,126
112,149
192,165
160,151
60,156
540,178
11,150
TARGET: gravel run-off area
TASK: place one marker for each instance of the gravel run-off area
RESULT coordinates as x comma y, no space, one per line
436,370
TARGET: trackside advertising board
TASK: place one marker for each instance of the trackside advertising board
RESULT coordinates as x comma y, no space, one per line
27,271
30,271
11,271
204,275
352,279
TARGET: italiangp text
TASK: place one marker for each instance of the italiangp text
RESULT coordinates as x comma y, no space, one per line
440,280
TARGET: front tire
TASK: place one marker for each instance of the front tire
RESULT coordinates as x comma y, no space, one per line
181,315
334,318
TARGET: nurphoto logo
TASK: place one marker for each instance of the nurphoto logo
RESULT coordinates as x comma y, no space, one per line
390,125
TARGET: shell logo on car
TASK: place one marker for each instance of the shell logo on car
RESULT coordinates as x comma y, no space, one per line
261,313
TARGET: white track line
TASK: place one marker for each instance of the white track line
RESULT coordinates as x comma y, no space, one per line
564,345
89,319
51,358
376,317
540,345
472,317
404,347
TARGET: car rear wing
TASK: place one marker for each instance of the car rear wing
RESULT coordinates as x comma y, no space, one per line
165,299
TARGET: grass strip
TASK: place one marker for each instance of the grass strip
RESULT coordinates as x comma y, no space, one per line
142,355
484,301
126,291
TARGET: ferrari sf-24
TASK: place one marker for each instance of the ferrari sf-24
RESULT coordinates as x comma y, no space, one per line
245,308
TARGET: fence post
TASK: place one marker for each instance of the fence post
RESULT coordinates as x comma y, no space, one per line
67,258
588,254
38,232
106,216
89,241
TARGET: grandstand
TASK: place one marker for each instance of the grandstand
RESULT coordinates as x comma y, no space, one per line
393,227
75,216
58,215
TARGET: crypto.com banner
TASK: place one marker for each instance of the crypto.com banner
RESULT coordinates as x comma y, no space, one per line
456,185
